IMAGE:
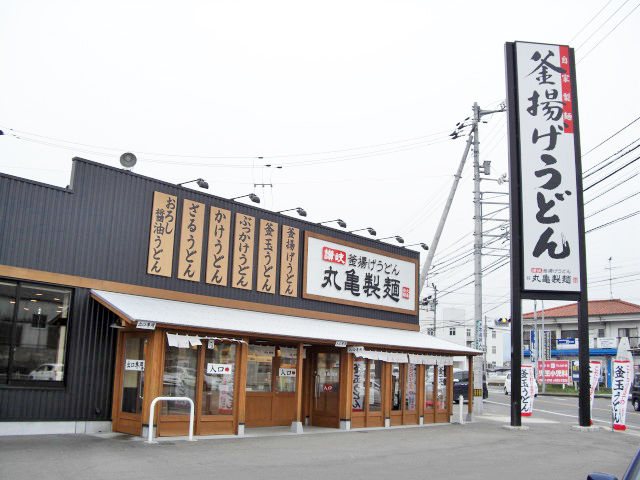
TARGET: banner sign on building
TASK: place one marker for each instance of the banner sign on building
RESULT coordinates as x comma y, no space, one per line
267,257
343,273
290,253
190,253
620,384
218,246
243,252
527,389
548,168
555,371
163,229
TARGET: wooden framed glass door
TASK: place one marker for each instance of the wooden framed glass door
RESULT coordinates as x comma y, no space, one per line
129,384
326,389
404,394
367,389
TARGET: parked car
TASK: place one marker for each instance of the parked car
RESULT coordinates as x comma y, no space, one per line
507,386
497,376
635,392
47,371
632,473
461,385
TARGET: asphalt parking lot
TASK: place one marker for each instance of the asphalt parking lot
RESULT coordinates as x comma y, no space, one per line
479,450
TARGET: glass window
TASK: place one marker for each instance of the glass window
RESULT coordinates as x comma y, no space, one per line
375,382
493,349
219,379
452,331
493,334
179,379
259,368
396,387
411,388
442,387
33,332
428,387
287,363
133,375
358,381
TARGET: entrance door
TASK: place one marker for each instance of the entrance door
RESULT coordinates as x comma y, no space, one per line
130,388
326,391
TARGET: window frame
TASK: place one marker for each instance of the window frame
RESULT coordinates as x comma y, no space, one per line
11,383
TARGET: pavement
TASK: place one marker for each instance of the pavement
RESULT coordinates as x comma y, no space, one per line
482,449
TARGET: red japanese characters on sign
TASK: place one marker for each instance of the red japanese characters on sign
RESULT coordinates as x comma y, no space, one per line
335,256
406,292
555,371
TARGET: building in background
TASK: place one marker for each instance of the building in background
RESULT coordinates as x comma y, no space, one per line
610,321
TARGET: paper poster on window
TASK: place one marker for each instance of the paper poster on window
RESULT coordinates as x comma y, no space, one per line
358,385
286,372
289,255
267,257
244,239
218,246
134,365
549,189
161,236
219,369
341,273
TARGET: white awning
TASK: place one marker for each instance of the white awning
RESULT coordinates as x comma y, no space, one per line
135,308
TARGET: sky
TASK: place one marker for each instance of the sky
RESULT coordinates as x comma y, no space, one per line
343,108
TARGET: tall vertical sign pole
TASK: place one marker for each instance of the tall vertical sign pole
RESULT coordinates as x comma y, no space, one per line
548,258
583,305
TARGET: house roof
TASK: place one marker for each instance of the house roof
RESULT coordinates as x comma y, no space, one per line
595,308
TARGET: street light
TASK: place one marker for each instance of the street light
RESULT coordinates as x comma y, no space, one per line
398,238
423,245
341,222
201,183
252,196
301,211
368,229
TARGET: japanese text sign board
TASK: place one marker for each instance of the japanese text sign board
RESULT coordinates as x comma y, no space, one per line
243,252
555,371
289,254
343,273
161,237
546,115
134,365
267,257
218,246
527,389
621,376
191,234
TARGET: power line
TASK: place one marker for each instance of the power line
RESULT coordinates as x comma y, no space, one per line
611,174
612,205
605,141
627,16
588,23
602,25
613,221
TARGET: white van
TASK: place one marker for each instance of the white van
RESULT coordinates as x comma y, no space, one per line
507,386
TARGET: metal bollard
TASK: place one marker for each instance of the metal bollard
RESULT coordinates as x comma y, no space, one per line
461,403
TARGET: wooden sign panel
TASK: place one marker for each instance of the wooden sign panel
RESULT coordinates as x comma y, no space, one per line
243,252
289,254
161,236
190,253
267,257
218,246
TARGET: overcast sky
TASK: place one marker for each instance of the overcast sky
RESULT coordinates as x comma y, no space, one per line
353,99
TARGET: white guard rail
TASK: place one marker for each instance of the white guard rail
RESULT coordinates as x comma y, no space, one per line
171,399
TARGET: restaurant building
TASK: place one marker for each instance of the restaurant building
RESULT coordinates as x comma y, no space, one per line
122,288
